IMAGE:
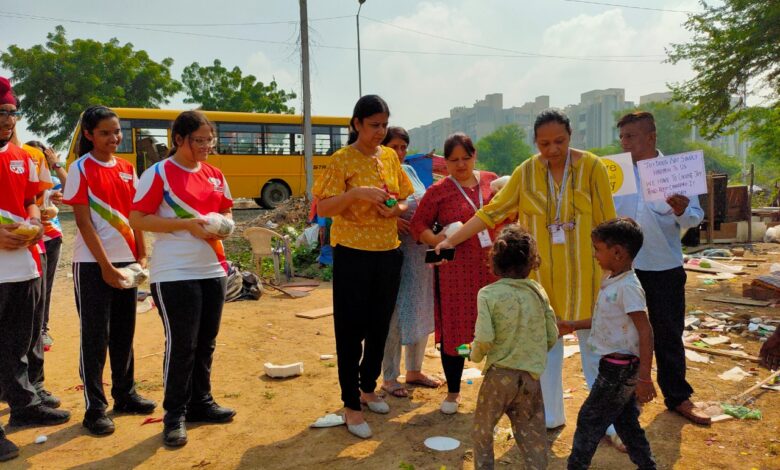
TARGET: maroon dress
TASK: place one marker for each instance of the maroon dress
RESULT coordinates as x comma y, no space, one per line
458,281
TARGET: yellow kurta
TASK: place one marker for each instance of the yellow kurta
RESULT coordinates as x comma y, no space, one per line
569,272
360,226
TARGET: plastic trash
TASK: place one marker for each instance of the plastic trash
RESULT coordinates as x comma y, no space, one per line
329,421
741,412
280,372
218,224
41,439
134,275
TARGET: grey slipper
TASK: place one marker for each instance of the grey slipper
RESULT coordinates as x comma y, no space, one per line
360,430
380,407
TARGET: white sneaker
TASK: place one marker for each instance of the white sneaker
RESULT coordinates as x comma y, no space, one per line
360,430
449,407
380,407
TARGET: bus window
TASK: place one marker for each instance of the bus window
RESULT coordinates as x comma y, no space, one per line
127,137
151,146
240,139
279,139
338,137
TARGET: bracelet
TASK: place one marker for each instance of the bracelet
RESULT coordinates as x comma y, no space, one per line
645,381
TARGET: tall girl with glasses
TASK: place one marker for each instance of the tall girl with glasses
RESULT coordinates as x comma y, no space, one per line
363,190
188,270
101,187
559,195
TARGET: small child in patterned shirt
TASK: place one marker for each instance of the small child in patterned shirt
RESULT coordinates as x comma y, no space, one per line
515,329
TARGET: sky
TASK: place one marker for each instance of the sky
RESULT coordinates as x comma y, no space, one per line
423,57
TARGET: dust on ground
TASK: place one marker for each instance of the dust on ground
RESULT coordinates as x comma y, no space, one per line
271,429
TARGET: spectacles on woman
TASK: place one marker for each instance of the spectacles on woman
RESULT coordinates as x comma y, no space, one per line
5,114
203,141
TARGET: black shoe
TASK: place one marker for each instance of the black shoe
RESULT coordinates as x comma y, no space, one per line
212,413
47,399
38,415
175,435
135,403
8,449
98,423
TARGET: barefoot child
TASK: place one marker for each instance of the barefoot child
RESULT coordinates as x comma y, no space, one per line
622,335
515,329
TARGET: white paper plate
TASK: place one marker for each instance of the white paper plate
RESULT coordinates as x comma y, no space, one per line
442,443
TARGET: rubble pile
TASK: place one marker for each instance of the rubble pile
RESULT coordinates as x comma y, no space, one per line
293,211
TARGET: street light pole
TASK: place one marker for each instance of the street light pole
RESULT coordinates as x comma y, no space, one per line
357,22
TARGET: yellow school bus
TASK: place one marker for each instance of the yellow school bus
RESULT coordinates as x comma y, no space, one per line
261,155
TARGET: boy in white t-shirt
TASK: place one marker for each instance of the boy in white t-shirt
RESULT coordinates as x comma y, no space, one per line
622,335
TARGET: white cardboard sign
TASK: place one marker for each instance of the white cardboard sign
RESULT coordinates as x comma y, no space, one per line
620,170
682,173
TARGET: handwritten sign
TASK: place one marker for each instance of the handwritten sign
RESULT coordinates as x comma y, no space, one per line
682,173
620,170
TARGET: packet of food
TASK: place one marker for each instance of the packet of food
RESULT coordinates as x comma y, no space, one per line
134,275
218,224
27,230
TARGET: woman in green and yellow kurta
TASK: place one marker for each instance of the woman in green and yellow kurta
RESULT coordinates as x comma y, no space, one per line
559,195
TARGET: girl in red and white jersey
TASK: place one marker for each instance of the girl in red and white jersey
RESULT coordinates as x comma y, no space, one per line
188,270
100,187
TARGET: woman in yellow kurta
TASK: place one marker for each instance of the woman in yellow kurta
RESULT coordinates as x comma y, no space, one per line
363,189
559,195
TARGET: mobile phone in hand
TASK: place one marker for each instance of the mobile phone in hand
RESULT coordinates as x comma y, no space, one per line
432,257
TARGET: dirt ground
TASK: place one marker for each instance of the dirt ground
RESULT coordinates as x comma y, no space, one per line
272,430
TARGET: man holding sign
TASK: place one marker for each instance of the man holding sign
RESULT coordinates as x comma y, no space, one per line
659,263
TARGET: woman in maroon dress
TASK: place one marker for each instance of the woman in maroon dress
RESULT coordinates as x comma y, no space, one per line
456,199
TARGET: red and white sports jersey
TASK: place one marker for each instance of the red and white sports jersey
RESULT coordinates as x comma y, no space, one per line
19,183
108,190
169,190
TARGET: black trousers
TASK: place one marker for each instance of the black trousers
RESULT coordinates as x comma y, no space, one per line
453,371
35,351
107,317
665,293
191,312
365,287
18,301
53,247
611,401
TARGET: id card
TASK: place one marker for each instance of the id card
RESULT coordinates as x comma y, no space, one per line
558,235
484,239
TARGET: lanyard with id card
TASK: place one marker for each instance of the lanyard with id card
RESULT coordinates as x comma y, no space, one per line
557,228
483,236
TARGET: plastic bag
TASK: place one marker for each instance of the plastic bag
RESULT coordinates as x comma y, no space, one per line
741,412
218,224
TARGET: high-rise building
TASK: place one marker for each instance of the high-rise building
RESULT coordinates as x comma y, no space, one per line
593,119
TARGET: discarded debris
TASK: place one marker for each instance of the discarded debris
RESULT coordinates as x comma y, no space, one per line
741,412
696,357
280,372
735,374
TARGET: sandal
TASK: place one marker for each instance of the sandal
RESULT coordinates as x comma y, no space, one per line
689,411
426,382
396,389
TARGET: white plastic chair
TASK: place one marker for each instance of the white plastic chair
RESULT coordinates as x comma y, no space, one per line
267,243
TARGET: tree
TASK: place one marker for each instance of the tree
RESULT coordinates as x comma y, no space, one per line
764,134
57,81
735,50
502,150
216,88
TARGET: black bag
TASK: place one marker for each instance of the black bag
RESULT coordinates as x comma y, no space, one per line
242,285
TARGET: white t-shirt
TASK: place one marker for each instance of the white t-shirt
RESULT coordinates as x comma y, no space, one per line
612,330
169,190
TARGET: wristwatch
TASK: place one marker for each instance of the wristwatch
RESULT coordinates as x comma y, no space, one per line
56,165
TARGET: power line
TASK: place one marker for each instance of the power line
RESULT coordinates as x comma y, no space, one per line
633,7
510,55
529,54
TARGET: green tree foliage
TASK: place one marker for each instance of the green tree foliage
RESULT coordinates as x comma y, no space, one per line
502,150
611,149
60,79
764,134
216,88
735,48
716,160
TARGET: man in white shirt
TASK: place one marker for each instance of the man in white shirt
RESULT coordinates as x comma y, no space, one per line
659,265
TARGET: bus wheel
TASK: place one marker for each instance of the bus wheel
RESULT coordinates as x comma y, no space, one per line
274,193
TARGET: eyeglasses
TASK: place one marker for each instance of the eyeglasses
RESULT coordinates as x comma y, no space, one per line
5,114
203,142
